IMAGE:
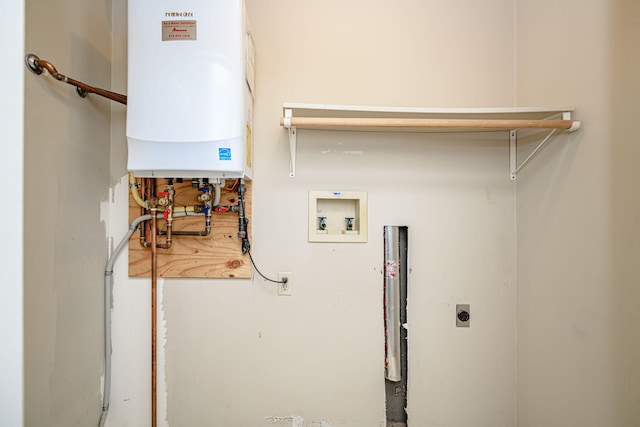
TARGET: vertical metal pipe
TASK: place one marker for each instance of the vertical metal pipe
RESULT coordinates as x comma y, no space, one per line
392,302
154,283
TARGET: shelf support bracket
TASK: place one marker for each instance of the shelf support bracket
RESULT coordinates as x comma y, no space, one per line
512,146
293,141
513,151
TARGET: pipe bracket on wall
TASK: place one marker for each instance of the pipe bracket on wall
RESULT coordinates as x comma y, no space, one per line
38,66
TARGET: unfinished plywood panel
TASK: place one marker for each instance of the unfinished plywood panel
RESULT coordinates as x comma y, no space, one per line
218,255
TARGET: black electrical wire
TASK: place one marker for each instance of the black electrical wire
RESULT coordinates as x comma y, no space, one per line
243,225
263,276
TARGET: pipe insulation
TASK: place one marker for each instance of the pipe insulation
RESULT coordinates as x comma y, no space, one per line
133,186
392,302
217,193
108,278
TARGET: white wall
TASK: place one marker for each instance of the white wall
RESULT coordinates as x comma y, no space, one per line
11,162
578,224
66,179
236,353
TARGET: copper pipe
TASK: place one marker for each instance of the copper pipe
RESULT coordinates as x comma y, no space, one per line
143,228
167,243
170,193
147,188
154,284
201,233
38,65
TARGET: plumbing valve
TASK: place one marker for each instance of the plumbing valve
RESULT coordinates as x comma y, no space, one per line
322,223
152,203
205,197
349,223
163,198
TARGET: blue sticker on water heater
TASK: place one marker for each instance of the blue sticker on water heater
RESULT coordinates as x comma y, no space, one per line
224,153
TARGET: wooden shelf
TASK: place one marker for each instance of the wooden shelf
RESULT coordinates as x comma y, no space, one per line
411,119
417,125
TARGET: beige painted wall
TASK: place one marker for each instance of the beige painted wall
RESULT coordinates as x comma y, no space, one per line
235,352
578,223
66,179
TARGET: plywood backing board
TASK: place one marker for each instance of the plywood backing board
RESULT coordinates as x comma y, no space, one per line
218,255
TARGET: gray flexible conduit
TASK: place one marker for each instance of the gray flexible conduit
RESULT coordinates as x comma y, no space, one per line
108,275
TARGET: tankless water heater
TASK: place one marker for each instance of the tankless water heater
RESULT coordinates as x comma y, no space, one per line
189,107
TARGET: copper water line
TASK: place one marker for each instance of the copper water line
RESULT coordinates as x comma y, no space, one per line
143,229
167,243
169,193
201,233
37,66
147,188
154,284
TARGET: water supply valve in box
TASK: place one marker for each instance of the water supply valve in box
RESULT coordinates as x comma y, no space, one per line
338,216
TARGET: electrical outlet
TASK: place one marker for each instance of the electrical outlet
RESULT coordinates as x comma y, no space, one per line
284,289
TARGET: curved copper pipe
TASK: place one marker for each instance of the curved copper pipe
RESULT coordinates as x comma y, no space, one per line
167,243
37,65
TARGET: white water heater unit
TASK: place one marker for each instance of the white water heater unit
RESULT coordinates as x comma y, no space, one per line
190,82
